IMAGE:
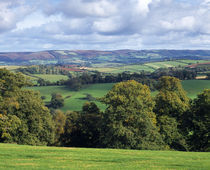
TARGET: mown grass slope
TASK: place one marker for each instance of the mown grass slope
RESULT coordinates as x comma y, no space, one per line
40,157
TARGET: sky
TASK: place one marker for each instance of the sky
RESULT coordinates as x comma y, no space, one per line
38,25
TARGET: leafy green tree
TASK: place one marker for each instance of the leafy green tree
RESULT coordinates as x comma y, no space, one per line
82,129
37,127
8,127
90,122
59,119
90,108
129,120
31,120
171,105
57,101
72,133
168,128
74,83
200,122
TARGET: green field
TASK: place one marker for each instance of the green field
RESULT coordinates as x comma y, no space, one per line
152,66
51,77
74,100
193,61
40,157
193,87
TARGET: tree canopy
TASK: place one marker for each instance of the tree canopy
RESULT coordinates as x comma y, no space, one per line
171,103
24,112
129,120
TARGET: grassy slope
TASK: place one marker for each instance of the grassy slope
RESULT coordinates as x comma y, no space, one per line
193,87
34,157
74,101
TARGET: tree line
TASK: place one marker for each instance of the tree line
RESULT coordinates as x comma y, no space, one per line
133,118
75,82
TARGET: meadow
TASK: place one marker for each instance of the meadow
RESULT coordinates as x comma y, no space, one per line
193,87
41,157
74,100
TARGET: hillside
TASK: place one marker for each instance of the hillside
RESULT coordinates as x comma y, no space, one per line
88,57
41,157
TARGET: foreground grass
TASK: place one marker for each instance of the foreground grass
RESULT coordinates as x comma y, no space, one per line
34,157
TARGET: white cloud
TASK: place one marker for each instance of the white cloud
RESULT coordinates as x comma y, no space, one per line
185,23
83,8
104,24
142,7
48,46
108,25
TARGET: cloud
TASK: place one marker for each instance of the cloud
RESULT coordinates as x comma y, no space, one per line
12,11
83,8
104,24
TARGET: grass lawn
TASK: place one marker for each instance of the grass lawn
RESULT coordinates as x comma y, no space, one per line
40,157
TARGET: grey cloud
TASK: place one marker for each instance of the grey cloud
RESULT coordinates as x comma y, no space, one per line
110,24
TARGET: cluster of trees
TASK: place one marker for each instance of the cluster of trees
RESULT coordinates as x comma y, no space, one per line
149,79
43,69
180,73
133,119
24,119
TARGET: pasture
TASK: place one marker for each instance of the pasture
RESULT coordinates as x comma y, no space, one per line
74,100
193,87
41,157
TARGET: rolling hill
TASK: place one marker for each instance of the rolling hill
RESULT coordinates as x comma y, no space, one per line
87,57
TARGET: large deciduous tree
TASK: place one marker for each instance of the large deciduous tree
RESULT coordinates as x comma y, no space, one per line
200,122
82,129
171,105
57,101
59,119
23,112
129,120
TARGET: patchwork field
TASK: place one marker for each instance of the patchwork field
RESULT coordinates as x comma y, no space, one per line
150,67
40,157
74,100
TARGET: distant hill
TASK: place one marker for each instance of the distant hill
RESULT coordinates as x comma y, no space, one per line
87,57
